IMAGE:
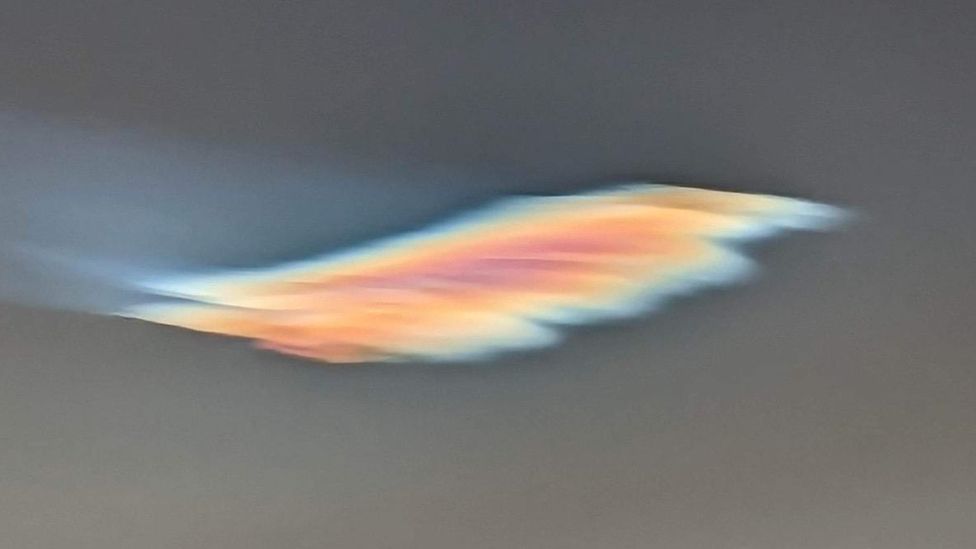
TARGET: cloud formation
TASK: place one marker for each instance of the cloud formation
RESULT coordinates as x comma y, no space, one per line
503,278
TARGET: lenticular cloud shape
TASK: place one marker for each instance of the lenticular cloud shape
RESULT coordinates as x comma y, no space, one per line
501,279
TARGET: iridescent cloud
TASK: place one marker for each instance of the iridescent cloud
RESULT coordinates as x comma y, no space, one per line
501,279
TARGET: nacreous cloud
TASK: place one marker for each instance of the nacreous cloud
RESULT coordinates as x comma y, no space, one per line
501,279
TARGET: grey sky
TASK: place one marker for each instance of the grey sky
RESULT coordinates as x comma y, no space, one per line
827,404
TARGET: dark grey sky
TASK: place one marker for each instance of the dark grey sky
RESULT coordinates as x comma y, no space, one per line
829,404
